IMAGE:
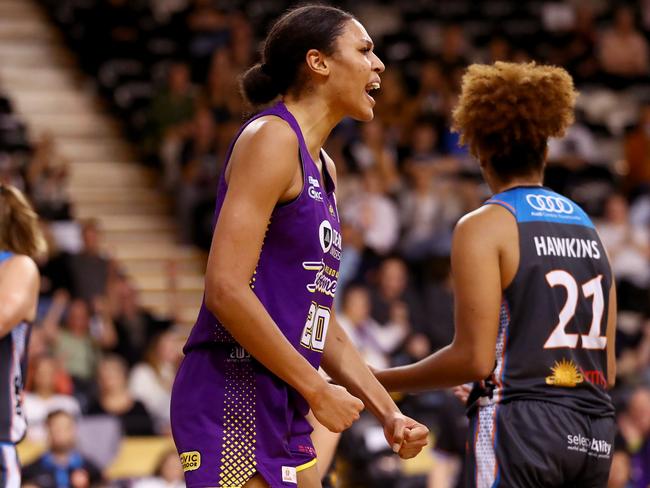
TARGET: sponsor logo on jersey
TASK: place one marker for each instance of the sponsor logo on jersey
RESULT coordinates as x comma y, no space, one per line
595,377
550,204
593,447
330,240
565,373
314,189
191,460
289,474
566,247
326,278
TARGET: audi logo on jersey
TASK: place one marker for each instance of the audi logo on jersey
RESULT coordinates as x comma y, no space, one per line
548,203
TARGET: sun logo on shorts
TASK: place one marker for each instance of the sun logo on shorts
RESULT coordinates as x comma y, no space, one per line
565,373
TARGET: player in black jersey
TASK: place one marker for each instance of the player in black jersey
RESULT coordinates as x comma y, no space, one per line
534,298
20,241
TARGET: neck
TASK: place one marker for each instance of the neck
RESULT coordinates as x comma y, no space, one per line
498,185
315,118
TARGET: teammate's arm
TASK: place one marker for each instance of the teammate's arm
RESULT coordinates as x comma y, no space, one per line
475,260
19,284
611,337
263,171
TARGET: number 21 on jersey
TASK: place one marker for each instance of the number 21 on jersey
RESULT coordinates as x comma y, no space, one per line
315,331
592,288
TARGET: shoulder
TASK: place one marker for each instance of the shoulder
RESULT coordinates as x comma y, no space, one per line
268,132
484,218
266,151
20,265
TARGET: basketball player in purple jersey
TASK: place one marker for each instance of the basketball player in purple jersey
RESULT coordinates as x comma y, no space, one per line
534,297
250,374
20,241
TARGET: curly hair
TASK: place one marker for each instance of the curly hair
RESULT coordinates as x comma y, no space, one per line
507,111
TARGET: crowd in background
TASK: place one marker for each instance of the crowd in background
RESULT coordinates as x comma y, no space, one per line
170,68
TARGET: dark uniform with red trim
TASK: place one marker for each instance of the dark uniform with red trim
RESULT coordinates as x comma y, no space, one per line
544,418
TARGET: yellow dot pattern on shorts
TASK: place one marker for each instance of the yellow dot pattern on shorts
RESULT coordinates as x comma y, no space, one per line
237,460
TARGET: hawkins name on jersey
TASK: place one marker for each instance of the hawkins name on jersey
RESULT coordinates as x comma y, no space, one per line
566,247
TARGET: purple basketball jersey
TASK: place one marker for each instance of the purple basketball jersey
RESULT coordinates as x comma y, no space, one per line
230,416
297,271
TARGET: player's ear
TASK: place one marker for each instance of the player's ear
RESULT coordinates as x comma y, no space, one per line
317,62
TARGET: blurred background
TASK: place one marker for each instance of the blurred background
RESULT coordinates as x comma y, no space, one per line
115,116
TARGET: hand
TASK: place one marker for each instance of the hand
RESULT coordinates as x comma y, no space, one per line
405,436
335,408
462,392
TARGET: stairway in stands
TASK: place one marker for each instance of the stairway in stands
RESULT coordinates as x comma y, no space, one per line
106,182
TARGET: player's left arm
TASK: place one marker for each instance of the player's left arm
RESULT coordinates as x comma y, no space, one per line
343,363
475,258
611,337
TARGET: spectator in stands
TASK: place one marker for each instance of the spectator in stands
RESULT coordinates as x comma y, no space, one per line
168,473
54,270
634,425
373,151
374,341
637,154
394,107
629,252
209,30
43,397
151,381
78,344
581,44
454,49
623,50
438,300
47,176
393,297
115,399
498,49
371,211
62,466
200,167
221,93
135,326
170,113
242,42
433,91
429,206
90,269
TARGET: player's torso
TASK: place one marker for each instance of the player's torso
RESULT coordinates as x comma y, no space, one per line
297,271
551,343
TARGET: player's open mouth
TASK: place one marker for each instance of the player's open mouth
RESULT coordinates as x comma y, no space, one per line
370,87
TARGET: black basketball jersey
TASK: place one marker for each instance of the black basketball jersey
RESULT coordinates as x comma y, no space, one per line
551,343
13,368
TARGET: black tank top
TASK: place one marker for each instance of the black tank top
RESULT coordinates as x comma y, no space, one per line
551,344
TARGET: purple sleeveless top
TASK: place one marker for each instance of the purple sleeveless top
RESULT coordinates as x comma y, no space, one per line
298,269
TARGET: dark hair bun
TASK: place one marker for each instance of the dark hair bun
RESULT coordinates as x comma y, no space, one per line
257,86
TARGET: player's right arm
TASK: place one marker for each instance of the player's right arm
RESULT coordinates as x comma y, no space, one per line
264,170
19,284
